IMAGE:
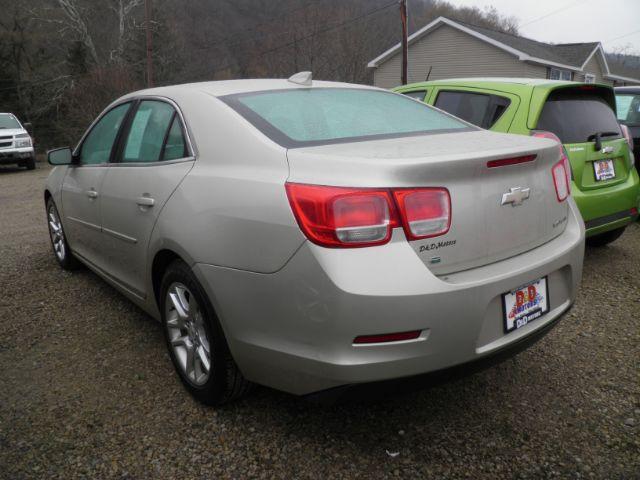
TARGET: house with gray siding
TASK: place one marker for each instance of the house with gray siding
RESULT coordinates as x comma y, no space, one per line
448,48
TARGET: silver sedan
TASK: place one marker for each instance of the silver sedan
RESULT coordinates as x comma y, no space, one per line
310,235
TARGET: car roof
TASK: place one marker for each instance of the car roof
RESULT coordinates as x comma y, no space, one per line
508,80
220,88
629,89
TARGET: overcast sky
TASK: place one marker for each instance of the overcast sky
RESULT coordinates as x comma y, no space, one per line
615,23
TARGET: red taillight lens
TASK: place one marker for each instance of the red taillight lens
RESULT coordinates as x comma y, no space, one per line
425,212
355,217
564,160
336,217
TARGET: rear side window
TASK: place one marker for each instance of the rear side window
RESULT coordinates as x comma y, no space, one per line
628,108
481,109
418,94
575,116
320,116
155,134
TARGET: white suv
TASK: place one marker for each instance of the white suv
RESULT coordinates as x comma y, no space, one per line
16,145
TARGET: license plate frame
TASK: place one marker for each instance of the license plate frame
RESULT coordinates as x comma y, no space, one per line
604,169
512,319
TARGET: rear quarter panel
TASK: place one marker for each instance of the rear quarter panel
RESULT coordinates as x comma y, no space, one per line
231,210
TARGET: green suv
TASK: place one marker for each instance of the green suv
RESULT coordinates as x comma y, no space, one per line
582,117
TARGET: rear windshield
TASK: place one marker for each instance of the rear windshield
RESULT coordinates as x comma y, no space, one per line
575,117
7,121
320,116
628,108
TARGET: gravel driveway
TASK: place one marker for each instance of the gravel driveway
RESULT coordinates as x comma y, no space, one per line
87,390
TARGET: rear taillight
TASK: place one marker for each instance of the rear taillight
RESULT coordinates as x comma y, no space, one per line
564,161
629,138
559,172
425,212
354,217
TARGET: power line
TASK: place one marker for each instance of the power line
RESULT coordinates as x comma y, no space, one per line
561,9
623,36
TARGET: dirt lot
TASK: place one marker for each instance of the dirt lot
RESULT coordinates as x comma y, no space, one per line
86,389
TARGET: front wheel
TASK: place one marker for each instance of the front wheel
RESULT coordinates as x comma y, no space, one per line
30,163
195,340
605,238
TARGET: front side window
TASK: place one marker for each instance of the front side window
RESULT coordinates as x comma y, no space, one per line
559,74
320,116
154,124
628,109
98,144
9,121
481,109
575,116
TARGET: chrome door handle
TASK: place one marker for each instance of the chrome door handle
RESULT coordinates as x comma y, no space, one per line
145,201
92,193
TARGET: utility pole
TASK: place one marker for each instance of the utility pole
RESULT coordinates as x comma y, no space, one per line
405,40
147,16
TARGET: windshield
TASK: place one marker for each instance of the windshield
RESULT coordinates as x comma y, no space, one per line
628,108
320,116
576,116
9,121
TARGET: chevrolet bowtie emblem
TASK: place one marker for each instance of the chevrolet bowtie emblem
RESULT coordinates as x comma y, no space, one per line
515,196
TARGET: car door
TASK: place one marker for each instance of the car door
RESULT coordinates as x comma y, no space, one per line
81,187
153,158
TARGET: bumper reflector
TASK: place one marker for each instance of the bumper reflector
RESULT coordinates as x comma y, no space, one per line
387,337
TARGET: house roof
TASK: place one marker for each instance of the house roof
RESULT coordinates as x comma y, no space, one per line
571,56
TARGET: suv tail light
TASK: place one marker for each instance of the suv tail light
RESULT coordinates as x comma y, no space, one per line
355,217
629,138
562,191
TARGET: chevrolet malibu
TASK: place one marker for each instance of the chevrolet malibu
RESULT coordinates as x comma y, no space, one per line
311,236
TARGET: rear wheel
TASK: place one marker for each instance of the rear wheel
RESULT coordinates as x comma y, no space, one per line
195,340
61,250
605,238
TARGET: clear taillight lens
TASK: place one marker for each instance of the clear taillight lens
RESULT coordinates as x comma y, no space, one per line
354,217
560,180
627,135
425,212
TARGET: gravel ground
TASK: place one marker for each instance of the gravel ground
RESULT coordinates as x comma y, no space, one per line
87,390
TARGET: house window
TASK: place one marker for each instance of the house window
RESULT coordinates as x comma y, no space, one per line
559,74
589,78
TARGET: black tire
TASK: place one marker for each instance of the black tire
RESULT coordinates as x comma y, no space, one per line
225,383
67,261
605,238
30,163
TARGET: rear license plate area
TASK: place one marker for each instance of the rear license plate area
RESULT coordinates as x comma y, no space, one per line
604,170
525,304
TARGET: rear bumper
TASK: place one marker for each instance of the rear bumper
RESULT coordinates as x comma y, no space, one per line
293,329
609,208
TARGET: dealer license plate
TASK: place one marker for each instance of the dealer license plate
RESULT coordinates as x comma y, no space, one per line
525,304
604,170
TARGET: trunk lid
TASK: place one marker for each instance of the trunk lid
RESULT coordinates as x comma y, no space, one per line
483,230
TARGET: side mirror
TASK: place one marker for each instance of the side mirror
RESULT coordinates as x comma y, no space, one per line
60,156
27,126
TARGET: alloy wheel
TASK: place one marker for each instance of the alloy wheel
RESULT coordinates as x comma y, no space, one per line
187,333
56,233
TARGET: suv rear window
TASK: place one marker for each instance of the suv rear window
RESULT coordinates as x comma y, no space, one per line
481,109
320,116
576,116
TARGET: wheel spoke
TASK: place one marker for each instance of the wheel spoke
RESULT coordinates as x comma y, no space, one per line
180,341
191,360
204,359
177,301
